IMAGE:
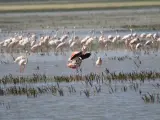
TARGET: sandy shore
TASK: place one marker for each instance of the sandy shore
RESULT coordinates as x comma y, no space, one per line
146,18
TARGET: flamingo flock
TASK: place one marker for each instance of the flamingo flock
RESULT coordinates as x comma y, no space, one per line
70,41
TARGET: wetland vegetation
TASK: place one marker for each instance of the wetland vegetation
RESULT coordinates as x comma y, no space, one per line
126,82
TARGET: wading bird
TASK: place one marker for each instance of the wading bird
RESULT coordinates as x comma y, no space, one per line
22,61
76,59
99,61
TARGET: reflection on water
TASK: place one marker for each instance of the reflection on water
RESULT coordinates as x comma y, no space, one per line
120,105
56,65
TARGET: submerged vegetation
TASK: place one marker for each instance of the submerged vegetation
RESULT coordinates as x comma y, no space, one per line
93,84
116,88
107,76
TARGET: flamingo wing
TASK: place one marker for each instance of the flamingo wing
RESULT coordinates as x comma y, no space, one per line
85,56
18,59
22,62
75,54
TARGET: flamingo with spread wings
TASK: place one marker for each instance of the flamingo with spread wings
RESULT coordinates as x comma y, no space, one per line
76,59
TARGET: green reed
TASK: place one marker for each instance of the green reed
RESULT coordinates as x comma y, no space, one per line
107,76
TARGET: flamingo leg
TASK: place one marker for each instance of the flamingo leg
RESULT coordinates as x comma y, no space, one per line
23,67
61,51
20,68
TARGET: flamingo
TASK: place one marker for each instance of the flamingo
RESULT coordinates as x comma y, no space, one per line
61,46
22,61
83,41
138,46
149,35
76,58
134,41
143,35
128,36
73,45
99,61
74,41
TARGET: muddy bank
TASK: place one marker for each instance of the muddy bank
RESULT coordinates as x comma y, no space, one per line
126,18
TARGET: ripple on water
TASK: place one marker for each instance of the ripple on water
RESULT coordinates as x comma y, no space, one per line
103,106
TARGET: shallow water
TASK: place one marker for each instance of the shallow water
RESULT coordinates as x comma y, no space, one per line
103,106
143,10
78,31
57,65
120,105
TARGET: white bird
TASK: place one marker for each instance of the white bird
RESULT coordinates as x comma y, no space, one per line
22,61
35,47
126,37
138,46
149,35
60,46
143,35
148,43
73,45
85,39
64,37
110,37
99,61
19,58
134,41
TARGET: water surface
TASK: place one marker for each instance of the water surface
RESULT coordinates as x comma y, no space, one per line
103,106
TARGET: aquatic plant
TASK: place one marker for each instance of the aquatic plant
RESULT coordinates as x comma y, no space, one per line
104,76
151,97
93,84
